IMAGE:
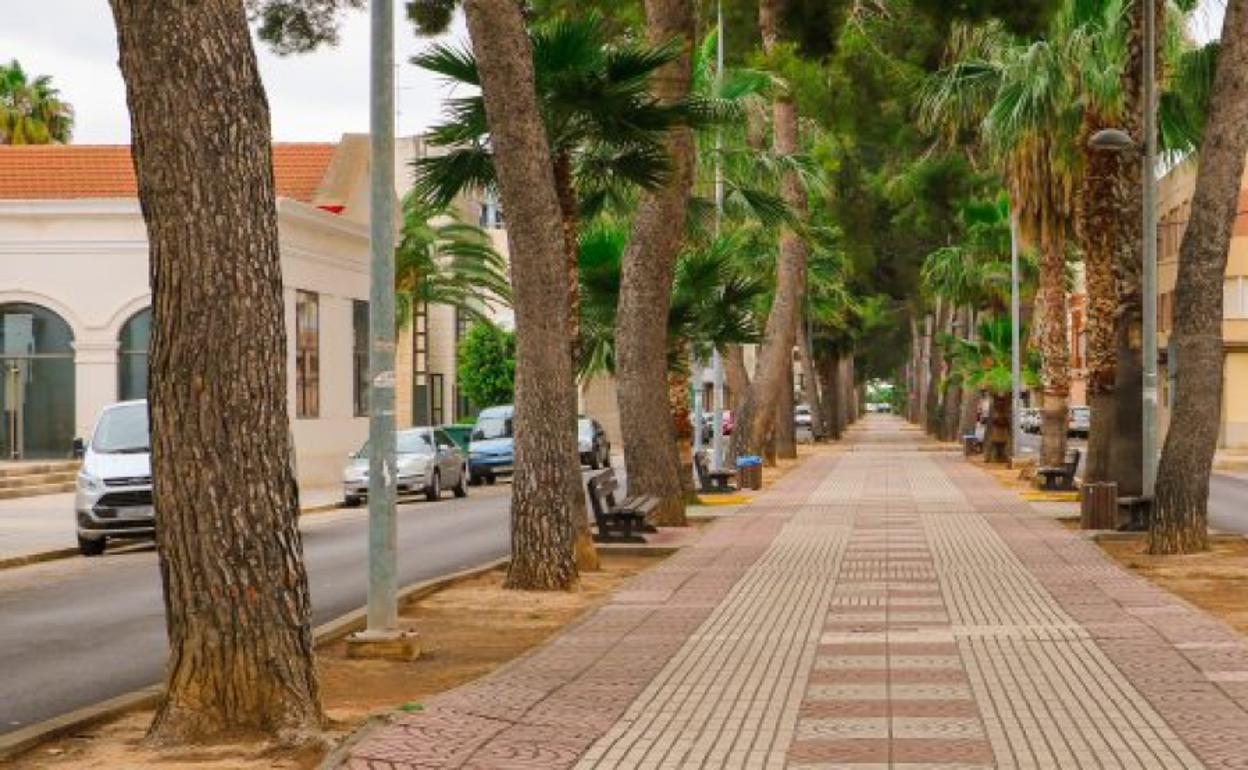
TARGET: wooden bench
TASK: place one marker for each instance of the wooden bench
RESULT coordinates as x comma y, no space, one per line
1061,478
1137,510
972,444
713,482
618,522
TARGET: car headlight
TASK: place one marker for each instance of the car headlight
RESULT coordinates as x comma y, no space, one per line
475,455
89,483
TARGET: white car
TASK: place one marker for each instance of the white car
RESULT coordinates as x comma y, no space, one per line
429,461
113,493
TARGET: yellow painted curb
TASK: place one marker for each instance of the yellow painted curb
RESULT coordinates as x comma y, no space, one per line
724,500
1050,497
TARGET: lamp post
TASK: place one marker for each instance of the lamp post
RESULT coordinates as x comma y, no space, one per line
1117,140
1016,356
382,637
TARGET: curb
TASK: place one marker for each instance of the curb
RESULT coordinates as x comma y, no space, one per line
27,559
23,740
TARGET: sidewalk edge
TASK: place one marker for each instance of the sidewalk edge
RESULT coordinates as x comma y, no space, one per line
23,740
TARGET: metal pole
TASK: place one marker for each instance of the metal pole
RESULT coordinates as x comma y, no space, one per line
382,469
1016,378
717,362
1149,277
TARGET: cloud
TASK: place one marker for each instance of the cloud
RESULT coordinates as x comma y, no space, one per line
316,96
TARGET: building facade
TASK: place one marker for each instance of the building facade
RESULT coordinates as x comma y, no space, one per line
1174,205
75,301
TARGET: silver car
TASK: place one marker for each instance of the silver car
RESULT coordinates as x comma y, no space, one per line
429,461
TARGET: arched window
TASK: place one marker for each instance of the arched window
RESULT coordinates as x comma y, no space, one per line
36,383
132,356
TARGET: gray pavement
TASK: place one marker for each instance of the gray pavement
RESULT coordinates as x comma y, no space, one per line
78,631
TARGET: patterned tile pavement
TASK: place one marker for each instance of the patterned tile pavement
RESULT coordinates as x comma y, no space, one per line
879,607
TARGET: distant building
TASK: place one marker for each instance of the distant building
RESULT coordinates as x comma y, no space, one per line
1174,206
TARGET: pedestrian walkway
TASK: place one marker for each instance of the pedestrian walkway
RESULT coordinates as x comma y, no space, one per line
881,606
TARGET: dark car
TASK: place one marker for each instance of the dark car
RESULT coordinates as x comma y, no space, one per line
592,441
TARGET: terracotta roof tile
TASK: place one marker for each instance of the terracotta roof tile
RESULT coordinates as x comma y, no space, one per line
105,171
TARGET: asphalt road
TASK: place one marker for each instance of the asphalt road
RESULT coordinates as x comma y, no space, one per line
79,631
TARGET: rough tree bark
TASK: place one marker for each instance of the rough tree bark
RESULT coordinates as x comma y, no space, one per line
826,364
647,271
1055,355
737,376
586,553
775,354
237,610
935,365
1098,210
1178,523
542,527
785,424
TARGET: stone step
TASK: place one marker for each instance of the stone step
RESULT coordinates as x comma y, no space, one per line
38,479
37,489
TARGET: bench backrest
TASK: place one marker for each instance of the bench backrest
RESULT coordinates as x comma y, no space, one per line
602,489
1072,461
699,464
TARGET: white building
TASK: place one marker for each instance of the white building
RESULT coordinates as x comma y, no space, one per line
75,299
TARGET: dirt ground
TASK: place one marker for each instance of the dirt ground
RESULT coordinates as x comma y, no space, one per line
1216,581
467,630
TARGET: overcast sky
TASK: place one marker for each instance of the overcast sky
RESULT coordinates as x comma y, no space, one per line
313,97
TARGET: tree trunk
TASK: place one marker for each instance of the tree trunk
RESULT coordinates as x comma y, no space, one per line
935,365
1178,523
970,396
829,385
1055,352
997,435
646,287
737,376
237,609
1098,210
845,405
586,553
786,427
810,383
915,395
776,351
542,530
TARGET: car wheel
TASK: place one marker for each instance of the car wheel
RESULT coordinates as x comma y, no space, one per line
88,547
434,491
353,502
606,456
490,479
595,461
461,489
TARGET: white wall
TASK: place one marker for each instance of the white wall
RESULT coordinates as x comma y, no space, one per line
87,260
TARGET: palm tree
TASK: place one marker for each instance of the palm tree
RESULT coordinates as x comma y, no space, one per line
983,363
1020,96
604,128
440,260
31,111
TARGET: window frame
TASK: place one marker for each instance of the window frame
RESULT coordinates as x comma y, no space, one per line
307,355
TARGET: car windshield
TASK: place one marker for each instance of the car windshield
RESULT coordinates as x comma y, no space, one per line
122,430
410,442
584,429
491,427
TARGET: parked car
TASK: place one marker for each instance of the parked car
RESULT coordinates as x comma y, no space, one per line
802,417
113,493
1029,420
592,440
428,462
491,452
1079,421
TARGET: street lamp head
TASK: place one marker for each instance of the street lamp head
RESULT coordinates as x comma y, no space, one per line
1112,140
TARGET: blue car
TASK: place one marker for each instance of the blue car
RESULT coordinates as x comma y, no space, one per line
490,448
